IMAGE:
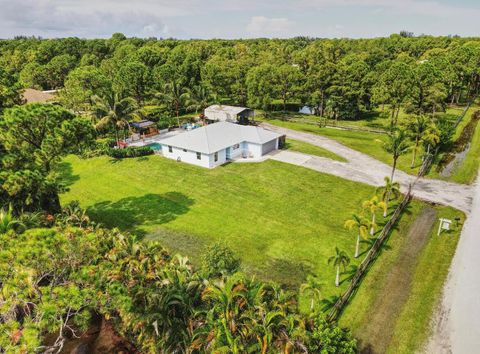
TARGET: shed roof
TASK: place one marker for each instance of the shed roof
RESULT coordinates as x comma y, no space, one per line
37,96
218,136
142,124
233,110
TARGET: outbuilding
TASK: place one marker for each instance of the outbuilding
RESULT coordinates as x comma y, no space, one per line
232,114
218,143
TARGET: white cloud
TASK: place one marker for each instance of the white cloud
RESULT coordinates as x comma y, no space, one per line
261,26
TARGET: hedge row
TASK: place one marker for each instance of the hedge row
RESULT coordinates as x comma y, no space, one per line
130,152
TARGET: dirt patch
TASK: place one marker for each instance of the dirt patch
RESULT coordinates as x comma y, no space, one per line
397,286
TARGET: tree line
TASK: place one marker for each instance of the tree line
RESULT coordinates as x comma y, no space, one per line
338,78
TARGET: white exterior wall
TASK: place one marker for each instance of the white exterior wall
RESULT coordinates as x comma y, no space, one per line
220,116
186,156
222,158
254,150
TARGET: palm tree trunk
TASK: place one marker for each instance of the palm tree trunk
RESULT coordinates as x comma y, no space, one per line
414,153
393,168
116,134
357,247
386,205
372,229
337,278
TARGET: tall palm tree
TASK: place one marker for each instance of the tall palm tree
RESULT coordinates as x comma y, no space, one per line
312,287
113,110
174,94
416,126
339,259
431,137
361,226
397,145
387,191
199,98
373,205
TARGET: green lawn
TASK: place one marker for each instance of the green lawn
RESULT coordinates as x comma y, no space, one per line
283,220
367,142
306,148
409,317
370,143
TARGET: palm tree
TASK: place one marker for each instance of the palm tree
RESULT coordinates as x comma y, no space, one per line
397,145
113,110
373,205
431,137
7,221
199,98
388,190
361,225
340,259
174,94
416,126
312,287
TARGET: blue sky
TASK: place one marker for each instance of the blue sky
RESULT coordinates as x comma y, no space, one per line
237,18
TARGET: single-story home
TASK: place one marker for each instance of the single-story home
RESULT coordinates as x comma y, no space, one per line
217,143
233,114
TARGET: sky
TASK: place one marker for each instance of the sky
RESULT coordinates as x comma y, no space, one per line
185,19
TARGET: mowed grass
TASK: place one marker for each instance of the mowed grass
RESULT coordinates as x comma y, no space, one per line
367,142
283,221
306,148
405,326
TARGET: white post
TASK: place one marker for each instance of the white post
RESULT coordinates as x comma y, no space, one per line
440,227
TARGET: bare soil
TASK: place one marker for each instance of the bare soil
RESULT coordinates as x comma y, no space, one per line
376,337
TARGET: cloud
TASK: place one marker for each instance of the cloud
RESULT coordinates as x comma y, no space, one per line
428,8
261,26
92,19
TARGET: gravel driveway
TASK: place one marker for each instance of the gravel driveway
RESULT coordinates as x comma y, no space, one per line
363,168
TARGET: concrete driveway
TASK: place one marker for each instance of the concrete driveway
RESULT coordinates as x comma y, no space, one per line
363,168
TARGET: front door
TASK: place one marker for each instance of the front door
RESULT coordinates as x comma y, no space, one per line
228,153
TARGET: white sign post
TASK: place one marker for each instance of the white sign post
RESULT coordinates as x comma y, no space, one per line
444,225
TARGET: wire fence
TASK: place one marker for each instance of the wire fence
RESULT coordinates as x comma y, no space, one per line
372,254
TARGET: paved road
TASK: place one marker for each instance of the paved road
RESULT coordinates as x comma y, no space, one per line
457,324
363,168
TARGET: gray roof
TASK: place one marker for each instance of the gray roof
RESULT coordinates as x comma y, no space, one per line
218,136
233,110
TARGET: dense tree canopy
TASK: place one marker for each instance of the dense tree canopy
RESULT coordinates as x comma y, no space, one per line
339,78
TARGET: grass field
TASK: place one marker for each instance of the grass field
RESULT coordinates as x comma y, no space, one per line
283,220
392,310
306,148
367,142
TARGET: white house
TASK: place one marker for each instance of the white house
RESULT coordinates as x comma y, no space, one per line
218,143
233,114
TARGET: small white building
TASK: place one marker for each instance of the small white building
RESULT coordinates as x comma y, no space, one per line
217,143
233,114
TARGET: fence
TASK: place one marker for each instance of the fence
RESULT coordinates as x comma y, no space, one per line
369,259
324,123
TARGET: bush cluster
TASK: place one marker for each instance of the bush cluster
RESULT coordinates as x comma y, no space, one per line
129,152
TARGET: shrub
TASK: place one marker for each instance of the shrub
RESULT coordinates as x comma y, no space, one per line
219,260
130,152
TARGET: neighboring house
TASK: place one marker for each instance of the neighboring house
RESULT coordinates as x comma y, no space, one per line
222,113
37,96
218,143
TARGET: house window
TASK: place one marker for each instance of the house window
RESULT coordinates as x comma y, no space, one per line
199,156
215,156
170,149
236,146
